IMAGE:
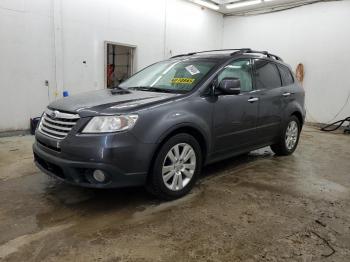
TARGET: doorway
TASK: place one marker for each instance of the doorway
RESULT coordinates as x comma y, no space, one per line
119,63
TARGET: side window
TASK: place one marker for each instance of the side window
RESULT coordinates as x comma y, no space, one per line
240,69
266,75
287,77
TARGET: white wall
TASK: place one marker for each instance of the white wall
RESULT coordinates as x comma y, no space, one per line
318,36
49,40
26,60
191,28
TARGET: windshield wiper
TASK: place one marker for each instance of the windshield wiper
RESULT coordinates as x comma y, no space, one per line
119,90
154,89
142,88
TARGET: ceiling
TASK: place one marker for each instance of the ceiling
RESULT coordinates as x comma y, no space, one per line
264,6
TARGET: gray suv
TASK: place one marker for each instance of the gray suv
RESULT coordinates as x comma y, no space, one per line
163,124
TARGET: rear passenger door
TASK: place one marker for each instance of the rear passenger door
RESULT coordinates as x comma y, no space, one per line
269,88
288,89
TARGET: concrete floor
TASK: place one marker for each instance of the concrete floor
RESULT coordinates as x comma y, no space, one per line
251,208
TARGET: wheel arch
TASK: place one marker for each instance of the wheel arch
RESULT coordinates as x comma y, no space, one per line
184,128
298,115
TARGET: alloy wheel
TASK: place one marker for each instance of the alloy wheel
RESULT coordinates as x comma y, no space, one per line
292,133
179,166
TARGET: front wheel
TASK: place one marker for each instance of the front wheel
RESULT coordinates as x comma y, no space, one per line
289,140
176,167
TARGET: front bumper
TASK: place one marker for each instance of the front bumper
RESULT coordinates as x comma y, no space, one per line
123,159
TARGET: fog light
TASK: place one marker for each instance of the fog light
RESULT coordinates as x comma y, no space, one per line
99,176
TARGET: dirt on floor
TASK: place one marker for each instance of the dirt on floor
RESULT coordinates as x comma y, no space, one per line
256,207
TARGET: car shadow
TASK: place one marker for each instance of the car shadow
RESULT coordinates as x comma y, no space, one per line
235,162
96,201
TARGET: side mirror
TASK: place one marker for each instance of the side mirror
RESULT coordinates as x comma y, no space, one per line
230,86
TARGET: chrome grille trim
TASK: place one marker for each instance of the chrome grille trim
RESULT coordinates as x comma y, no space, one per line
45,129
57,124
49,120
46,123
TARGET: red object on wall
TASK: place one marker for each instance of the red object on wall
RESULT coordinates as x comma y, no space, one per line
110,71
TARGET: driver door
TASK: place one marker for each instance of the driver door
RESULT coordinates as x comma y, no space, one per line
235,116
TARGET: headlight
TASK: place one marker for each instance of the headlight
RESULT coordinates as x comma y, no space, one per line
107,124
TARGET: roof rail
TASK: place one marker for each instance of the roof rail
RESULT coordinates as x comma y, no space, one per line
267,54
238,51
215,50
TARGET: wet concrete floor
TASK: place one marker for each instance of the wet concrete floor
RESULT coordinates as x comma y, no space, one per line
256,207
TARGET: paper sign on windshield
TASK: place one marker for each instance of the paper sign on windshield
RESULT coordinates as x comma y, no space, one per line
188,81
192,69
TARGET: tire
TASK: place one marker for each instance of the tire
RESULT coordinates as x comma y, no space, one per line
171,176
286,147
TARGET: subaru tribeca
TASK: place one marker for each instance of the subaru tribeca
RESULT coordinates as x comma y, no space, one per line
163,124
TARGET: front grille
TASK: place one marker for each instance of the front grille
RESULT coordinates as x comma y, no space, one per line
57,124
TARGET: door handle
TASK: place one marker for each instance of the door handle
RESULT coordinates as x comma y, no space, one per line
253,99
286,94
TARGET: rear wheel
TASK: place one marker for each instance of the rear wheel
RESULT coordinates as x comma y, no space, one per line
176,167
289,140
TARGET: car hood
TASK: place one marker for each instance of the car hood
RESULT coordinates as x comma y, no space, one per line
106,102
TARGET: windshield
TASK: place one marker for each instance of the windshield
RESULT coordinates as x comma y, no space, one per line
178,76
